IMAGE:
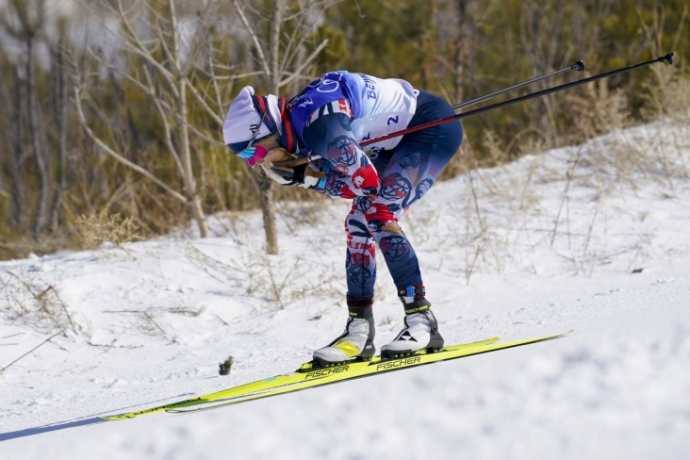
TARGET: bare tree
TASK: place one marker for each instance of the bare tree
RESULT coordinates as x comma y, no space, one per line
4,146
18,207
26,24
151,32
60,110
461,50
277,56
552,34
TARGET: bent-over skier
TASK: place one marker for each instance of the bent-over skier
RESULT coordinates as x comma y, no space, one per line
316,136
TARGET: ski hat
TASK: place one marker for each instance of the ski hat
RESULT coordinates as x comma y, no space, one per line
251,117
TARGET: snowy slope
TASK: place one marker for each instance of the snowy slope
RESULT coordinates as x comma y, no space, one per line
591,238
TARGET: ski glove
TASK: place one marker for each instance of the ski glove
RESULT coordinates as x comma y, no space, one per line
277,156
307,175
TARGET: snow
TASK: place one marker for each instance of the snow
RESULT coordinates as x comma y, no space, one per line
591,238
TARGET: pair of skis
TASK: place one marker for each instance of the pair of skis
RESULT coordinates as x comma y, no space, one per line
309,377
304,378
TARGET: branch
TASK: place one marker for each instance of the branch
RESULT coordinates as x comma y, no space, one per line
205,137
142,51
166,125
175,60
211,67
204,104
175,37
117,156
33,349
152,94
308,61
274,41
292,49
255,39
234,77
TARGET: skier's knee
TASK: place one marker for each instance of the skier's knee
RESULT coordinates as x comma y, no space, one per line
380,218
356,226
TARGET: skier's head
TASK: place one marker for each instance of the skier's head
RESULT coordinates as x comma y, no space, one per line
250,120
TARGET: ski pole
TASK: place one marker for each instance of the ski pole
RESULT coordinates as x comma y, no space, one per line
579,66
667,59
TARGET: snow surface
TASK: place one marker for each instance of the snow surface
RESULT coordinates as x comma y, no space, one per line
591,238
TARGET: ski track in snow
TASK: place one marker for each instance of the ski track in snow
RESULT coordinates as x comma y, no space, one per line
602,250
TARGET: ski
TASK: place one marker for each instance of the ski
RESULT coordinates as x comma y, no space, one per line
303,378
283,383
308,378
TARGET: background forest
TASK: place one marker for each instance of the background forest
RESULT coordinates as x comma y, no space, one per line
110,126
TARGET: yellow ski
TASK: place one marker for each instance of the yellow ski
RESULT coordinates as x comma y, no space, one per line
320,377
284,382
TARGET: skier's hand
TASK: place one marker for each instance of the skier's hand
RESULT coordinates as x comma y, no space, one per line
269,168
291,172
309,175
283,176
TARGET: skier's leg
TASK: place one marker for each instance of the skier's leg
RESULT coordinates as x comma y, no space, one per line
409,174
357,341
360,259
421,328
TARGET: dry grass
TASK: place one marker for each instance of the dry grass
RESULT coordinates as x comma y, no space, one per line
509,218
667,96
21,246
95,229
28,300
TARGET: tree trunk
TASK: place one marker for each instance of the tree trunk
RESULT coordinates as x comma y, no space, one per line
190,190
460,51
269,214
17,160
61,121
274,79
268,210
41,217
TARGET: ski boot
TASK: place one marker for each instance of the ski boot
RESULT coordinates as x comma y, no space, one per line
357,342
421,328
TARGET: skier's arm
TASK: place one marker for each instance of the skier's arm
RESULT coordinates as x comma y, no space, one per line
330,136
285,169
315,175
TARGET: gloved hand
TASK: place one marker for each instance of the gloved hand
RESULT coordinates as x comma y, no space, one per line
268,164
288,173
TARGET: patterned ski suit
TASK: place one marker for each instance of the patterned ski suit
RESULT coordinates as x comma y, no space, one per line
331,116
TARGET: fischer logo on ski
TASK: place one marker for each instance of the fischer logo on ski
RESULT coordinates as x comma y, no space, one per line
395,363
325,372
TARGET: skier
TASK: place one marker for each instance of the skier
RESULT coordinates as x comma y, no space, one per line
313,140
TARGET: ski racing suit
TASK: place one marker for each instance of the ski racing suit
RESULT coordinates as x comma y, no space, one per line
331,116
